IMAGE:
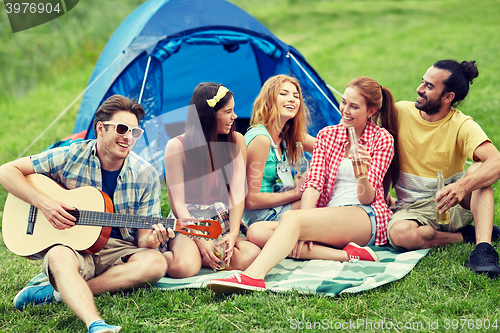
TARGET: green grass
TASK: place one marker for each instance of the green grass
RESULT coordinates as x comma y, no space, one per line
43,69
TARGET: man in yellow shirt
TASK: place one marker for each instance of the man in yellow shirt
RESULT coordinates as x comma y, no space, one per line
433,136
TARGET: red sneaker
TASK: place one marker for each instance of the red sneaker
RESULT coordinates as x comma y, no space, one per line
356,252
238,283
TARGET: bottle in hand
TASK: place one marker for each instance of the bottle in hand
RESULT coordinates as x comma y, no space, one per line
220,251
445,217
301,165
360,169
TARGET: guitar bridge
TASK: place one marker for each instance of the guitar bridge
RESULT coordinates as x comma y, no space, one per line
31,220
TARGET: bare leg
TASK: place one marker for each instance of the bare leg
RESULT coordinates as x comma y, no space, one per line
142,269
323,252
244,254
409,235
335,226
481,203
260,232
184,258
64,267
483,209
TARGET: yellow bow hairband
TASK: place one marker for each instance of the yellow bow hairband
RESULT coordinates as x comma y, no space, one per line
220,95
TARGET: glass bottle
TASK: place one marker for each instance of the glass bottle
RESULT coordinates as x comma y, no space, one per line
219,249
445,217
360,169
301,165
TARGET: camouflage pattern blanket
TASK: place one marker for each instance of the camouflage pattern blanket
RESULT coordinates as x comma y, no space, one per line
324,277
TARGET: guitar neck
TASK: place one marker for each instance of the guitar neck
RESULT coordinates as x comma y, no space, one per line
28,232
104,219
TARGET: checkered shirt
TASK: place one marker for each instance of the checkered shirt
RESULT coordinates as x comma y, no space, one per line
137,190
328,152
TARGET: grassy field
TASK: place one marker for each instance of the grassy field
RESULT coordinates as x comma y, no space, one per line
43,69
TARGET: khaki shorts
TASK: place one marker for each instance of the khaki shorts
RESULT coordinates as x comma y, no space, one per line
115,252
424,213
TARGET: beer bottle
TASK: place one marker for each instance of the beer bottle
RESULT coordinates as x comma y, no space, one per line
360,169
301,165
445,217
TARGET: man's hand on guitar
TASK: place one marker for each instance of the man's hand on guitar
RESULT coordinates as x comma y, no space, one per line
56,213
159,234
49,217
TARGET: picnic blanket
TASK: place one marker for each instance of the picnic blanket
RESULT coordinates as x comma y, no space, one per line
324,277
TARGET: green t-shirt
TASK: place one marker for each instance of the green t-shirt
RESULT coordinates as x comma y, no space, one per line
270,170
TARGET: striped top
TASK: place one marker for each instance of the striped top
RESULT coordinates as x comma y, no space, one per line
426,148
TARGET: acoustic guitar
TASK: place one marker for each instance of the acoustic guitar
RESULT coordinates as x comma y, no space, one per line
29,234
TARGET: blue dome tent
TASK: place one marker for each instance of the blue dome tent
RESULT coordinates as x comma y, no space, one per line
162,50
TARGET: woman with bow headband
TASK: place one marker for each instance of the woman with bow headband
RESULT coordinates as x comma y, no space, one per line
205,172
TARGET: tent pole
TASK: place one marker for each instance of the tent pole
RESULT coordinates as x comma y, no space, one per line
310,78
334,90
140,99
144,80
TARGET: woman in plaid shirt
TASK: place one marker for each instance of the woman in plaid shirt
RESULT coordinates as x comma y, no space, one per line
350,211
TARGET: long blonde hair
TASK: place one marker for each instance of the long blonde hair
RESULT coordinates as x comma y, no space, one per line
265,112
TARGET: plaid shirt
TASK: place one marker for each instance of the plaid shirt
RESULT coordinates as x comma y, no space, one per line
328,152
137,190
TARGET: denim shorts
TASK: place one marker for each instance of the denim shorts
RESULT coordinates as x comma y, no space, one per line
373,219
269,214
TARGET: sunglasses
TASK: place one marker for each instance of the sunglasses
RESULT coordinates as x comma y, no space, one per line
122,129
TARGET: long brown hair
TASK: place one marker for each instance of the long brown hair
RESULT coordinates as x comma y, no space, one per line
380,98
265,112
206,149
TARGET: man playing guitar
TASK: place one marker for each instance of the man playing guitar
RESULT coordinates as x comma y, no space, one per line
108,164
